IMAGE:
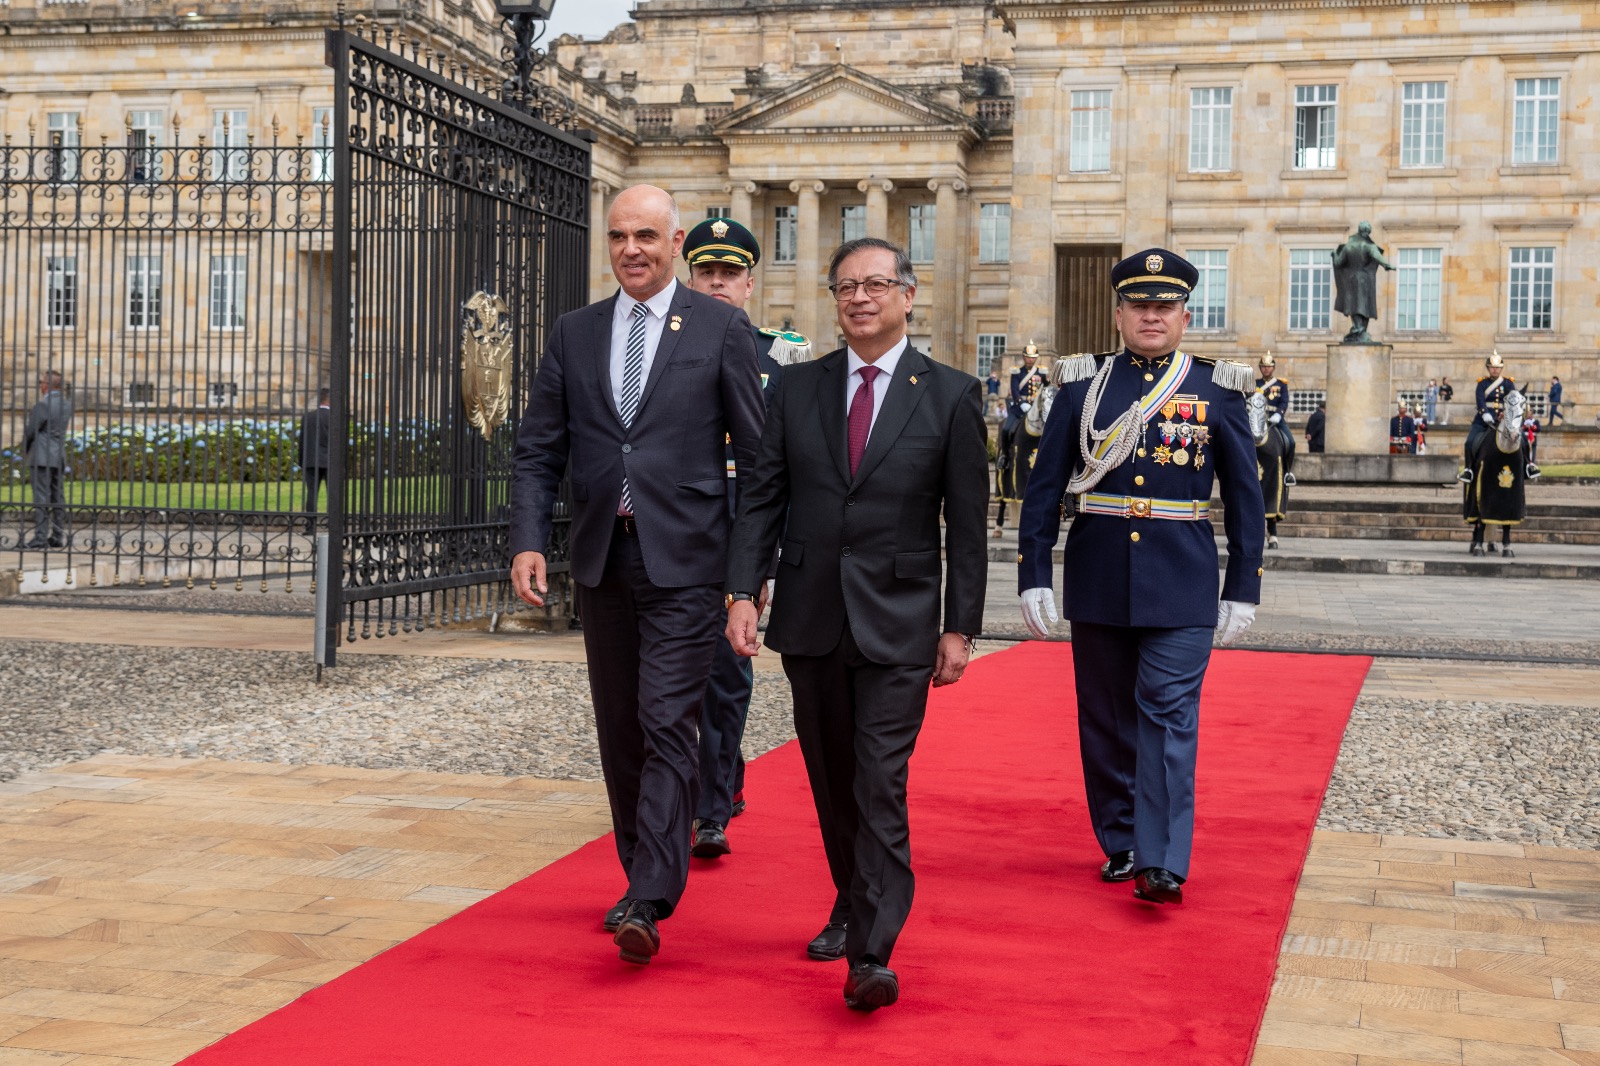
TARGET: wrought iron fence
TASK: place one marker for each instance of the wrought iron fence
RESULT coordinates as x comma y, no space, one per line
182,293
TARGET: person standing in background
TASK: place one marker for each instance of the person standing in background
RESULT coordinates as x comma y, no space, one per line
1447,393
1556,417
45,445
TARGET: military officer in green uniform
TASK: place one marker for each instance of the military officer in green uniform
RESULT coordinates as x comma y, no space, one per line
722,255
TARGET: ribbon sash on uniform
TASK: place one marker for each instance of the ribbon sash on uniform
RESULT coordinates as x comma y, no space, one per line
1165,388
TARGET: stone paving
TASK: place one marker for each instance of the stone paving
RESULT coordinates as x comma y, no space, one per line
225,834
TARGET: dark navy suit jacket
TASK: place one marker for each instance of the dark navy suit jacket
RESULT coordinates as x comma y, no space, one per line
1168,577
703,392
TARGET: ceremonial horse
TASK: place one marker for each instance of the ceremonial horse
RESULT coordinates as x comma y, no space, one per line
1272,446
1019,439
1497,493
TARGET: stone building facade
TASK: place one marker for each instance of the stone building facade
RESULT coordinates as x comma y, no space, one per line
1022,146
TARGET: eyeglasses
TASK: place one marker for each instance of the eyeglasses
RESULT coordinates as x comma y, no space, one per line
845,291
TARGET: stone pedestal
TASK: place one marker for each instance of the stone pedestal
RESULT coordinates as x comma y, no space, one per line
1361,398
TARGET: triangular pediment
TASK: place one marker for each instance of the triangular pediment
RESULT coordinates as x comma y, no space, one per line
842,98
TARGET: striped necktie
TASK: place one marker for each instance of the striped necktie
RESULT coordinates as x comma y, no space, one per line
632,388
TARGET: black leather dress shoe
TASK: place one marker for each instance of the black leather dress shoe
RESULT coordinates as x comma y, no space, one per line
638,940
613,916
1118,867
710,841
870,986
1157,886
828,945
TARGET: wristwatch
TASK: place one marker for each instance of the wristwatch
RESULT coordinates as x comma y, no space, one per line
733,596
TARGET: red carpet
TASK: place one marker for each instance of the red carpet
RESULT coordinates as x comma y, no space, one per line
1015,952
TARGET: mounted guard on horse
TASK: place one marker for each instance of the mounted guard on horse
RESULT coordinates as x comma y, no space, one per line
1498,466
1020,431
1268,408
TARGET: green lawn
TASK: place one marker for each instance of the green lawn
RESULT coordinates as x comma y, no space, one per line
1572,470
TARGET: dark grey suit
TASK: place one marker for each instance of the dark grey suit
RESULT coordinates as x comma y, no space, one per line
649,600
316,441
45,443
856,608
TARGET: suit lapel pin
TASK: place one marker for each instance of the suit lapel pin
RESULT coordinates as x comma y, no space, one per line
913,379
676,323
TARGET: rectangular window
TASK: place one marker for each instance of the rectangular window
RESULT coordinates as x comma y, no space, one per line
1210,129
1422,124
991,347
230,130
1304,401
61,291
144,140
1315,124
718,211
64,135
227,291
1536,121
852,222
785,232
921,233
1310,288
321,144
1091,131
1532,289
1209,302
144,292
994,233
1421,271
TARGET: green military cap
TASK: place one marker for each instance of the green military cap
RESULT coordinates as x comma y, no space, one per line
721,240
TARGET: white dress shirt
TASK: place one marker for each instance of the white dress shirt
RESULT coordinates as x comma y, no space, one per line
880,384
622,320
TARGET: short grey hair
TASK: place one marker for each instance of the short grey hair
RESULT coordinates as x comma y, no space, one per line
903,271
51,379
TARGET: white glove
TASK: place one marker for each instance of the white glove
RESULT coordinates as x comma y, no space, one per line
1027,407
1488,417
1275,418
1037,606
1233,618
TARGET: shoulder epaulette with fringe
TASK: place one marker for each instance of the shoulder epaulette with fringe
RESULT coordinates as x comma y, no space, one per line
1080,367
1229,374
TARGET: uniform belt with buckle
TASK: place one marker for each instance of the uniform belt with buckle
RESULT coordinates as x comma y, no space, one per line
1143,507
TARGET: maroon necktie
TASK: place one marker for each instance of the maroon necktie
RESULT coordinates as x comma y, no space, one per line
861,416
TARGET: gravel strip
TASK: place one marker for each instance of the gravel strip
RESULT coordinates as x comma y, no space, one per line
71,701
1472,771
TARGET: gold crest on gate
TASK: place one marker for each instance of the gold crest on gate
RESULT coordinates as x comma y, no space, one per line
486,362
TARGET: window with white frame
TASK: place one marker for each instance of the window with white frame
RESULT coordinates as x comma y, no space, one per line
1421,271
991,348
227,291
852,222
1422,124
65,132
143,278
230,130
994,233
1532,290
1310,288
322,144
718,211
1211,129
61,291
1090,142
922,219
1536,121
1304,401
785,232
1209,301
144,140
1316,127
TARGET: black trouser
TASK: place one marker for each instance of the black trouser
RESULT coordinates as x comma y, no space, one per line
313,478
1475,438
649,651
721,731
49,504
857,722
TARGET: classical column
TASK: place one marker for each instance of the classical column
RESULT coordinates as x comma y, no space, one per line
1032,289
739,204
599,247
877,190
945,312
808,283
1149,217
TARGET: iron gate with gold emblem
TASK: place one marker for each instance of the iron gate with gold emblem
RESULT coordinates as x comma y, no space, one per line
460,235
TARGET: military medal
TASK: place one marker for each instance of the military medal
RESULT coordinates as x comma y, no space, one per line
1163,455
676,323
1199,458
1180,457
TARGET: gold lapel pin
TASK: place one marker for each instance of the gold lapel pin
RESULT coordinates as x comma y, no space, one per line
913,379
677,322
